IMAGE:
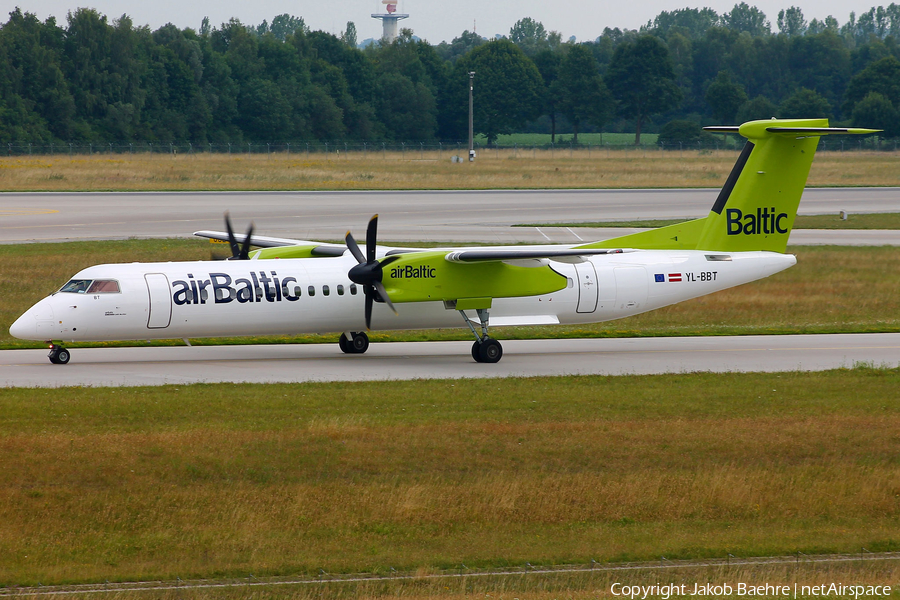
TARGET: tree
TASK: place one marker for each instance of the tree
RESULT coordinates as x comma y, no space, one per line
882,76
529,35
877,112
805,104
791,22
407,109
678,133
579,90
822,63
547,63
508,89
285,25
693,21
725,98
349,35
745,18
641,79
756,109
460,46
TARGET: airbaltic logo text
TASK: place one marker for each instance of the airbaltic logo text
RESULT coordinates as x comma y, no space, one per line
763,221
221,289
411,272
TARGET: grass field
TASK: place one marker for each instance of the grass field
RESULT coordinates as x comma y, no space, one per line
853,221
430,169
228,480
832,289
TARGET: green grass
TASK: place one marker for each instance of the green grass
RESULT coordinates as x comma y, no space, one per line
227,480
853,221
832,289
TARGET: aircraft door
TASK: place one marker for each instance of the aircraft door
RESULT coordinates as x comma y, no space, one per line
587,287
160,301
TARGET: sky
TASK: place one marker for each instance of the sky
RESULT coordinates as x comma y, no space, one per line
429,19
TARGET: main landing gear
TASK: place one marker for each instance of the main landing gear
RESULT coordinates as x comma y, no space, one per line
485,349
58,355
356,343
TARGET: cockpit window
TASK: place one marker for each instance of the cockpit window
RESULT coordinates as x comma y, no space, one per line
104,286
87,286
76,286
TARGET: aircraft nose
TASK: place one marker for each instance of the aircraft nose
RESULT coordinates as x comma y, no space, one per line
26,326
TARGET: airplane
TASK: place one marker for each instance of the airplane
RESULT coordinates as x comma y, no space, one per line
296,286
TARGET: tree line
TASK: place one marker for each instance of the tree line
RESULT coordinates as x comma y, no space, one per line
96,80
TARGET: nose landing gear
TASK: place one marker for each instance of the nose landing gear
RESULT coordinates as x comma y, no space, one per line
58,355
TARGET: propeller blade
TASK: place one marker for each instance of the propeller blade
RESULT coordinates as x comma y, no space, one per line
384,296
371,238
369,301
354,249
232,241
245,250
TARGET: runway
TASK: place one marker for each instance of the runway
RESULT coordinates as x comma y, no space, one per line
450,360
436,216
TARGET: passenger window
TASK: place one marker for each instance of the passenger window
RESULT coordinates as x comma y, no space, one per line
340,290
76,286
325,290
311,290
352,289
297,290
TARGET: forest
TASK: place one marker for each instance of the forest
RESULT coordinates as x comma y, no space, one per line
103,80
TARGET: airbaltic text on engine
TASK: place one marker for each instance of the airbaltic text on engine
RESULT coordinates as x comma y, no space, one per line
411,272
763,221
255,289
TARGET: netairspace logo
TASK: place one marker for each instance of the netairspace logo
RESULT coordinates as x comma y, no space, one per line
742,589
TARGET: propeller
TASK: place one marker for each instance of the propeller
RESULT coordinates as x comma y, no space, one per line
369,271
238,252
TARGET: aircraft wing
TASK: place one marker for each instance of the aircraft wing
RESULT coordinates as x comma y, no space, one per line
487,254
262,241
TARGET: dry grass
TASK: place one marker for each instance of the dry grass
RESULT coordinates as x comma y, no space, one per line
551,586
217,480
503,169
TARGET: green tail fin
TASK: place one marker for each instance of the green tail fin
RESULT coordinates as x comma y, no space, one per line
757,205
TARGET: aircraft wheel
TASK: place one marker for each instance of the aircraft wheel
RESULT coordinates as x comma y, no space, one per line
491,351
476,351
359,343
59,355
344,343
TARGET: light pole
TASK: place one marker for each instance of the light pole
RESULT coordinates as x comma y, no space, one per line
471,121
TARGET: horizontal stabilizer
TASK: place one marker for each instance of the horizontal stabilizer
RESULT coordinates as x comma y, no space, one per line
808,131
815,131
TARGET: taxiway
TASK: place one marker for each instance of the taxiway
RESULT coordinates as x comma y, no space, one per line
450,360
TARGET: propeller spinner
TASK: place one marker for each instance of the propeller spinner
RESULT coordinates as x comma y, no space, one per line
369,272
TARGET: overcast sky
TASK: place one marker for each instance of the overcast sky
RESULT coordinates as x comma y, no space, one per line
429,19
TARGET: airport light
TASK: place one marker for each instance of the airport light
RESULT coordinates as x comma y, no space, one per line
471,119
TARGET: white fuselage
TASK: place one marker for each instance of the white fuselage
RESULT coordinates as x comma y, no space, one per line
314,295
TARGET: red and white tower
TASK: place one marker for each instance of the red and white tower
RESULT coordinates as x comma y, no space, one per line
389,19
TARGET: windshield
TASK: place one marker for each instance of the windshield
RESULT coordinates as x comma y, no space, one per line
76,286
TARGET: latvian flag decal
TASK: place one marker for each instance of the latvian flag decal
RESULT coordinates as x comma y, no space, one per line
671,277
